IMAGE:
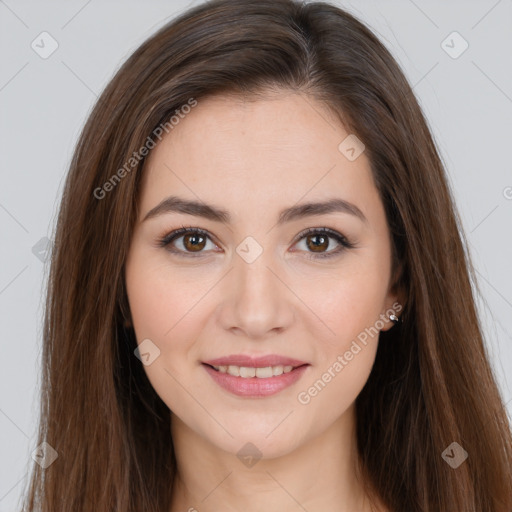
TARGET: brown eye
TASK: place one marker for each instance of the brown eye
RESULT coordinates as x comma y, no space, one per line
194,242
187,242
320,243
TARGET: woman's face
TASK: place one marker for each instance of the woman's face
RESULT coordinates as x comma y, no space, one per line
251,285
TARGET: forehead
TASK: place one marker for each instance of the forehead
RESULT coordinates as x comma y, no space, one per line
257,151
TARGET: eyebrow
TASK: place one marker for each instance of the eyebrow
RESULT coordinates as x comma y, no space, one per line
217,214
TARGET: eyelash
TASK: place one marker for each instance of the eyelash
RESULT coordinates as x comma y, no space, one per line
344,244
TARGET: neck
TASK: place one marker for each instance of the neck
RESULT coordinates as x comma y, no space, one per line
318,475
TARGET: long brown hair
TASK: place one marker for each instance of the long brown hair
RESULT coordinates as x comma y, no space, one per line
431,384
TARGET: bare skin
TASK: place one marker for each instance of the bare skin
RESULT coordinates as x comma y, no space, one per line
204,301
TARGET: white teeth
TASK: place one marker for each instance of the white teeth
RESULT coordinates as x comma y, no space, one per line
277,370
264,373
233,370
249,372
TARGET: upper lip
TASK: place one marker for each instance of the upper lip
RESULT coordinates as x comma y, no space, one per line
255,361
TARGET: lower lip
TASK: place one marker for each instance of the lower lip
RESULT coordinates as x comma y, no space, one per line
254,386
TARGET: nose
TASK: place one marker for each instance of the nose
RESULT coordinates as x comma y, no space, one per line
257,302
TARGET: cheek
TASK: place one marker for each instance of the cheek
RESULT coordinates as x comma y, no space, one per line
161,300
152,303
350,306
336,385
346,305
162,311
346,351
167,308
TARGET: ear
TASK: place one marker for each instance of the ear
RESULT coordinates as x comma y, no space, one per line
395,300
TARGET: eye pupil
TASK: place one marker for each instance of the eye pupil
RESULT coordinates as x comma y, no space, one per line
322,245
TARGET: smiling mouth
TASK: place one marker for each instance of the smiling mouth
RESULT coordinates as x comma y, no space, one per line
248,372
255,381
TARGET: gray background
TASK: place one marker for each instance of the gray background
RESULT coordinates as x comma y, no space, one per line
44,103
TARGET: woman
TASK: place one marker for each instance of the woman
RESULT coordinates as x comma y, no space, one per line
259,296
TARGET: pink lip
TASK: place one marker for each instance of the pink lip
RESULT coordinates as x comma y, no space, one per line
255,387
255,362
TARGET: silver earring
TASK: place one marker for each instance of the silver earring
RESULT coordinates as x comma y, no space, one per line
394,319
